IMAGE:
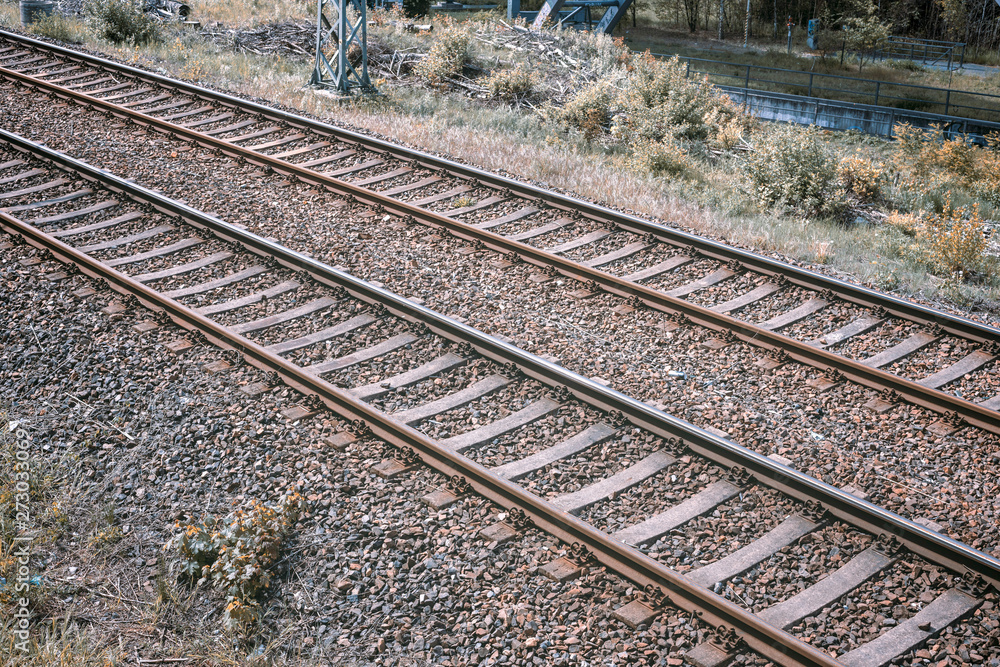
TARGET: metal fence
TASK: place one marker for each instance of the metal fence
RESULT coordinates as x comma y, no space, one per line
944,101
926,51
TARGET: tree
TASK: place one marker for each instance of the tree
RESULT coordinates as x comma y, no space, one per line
864,29
955,17
669,11
691,8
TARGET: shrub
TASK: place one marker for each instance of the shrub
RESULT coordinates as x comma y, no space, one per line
658,101
908,223
236,555
911,143
986,183
863,178
56,26
656,113
122,22
447,55
792,167
924,150
956,238
661,158
957,156
512,84
589,111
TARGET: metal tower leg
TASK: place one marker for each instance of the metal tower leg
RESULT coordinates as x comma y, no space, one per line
513,9
551,8
615,14
333,42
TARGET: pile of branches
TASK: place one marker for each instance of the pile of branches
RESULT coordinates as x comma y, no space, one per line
295,40
167,9
161,9
392,64
539,43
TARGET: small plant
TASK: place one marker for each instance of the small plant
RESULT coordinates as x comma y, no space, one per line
106,531
986,184
513,84
462,202
388,13
121,22
236,555
821,252
862,178
447,55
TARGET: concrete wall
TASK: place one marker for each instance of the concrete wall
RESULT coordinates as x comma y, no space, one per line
834,115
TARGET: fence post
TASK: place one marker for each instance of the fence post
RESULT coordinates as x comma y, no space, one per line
892,122
811,84
951,52
687,72
878,85
947,102
746,84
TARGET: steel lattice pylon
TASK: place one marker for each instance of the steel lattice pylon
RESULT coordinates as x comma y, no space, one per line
333,43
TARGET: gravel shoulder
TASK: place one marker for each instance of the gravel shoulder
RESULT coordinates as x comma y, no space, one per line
373,575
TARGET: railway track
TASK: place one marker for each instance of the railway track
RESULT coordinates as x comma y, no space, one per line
422,382
908,352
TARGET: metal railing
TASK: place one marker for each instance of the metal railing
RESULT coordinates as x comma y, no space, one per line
944,101
926,51
837,115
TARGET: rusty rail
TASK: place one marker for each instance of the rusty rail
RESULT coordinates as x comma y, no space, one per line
862,296
919,539
931,399
770,642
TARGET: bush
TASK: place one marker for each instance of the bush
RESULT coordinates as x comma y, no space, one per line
122,22
236,556
986,184
589,111
957,240
56,26
862,178
792,167
657,114
907,223
924,150
512,84
661,158
447,55
658,101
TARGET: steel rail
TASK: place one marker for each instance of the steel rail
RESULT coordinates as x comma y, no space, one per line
768,641
952,324
932,399
863,514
